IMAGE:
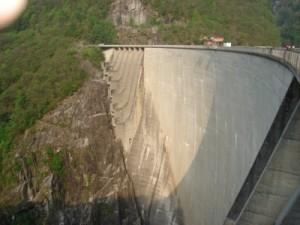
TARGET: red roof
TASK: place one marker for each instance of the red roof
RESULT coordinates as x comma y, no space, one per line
217,39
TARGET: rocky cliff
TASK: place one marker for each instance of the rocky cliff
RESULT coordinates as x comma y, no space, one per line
69,168
128,12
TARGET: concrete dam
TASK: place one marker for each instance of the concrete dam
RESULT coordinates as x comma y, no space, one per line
209,136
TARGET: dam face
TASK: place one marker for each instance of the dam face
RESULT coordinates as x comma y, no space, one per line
191,123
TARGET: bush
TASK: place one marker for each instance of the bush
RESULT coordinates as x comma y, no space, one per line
94,55
55,161
103,32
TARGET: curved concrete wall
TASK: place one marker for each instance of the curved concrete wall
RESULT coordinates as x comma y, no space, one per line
187,120
279,181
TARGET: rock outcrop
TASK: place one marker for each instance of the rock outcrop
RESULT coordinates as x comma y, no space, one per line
128,12
91,185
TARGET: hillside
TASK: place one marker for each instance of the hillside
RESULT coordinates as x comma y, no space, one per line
40,61
187,22
288,18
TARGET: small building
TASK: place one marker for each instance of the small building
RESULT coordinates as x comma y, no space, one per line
213,41
218,40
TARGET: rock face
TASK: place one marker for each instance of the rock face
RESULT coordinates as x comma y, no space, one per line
93,187
128,15
128,12
187,119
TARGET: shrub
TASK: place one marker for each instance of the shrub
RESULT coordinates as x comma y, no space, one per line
103,31
94,55
55,161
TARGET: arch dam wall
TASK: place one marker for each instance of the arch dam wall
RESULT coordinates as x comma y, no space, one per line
193,123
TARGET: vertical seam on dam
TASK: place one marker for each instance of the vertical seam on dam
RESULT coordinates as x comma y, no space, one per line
133,188
155,186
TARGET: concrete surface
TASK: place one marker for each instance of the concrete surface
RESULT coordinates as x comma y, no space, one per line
279,182
293,216
192,123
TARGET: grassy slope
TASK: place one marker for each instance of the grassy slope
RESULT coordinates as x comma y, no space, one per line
241,22
39,64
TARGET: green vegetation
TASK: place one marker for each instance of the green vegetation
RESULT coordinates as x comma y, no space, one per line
288,18
94,55
23,214
55,161
40,63
241,22
18,167
26,218
105,209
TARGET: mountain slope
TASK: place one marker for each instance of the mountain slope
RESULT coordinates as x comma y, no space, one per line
288,18
39,60
178,22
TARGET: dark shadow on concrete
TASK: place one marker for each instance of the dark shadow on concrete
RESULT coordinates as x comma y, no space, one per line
287,107
293,217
